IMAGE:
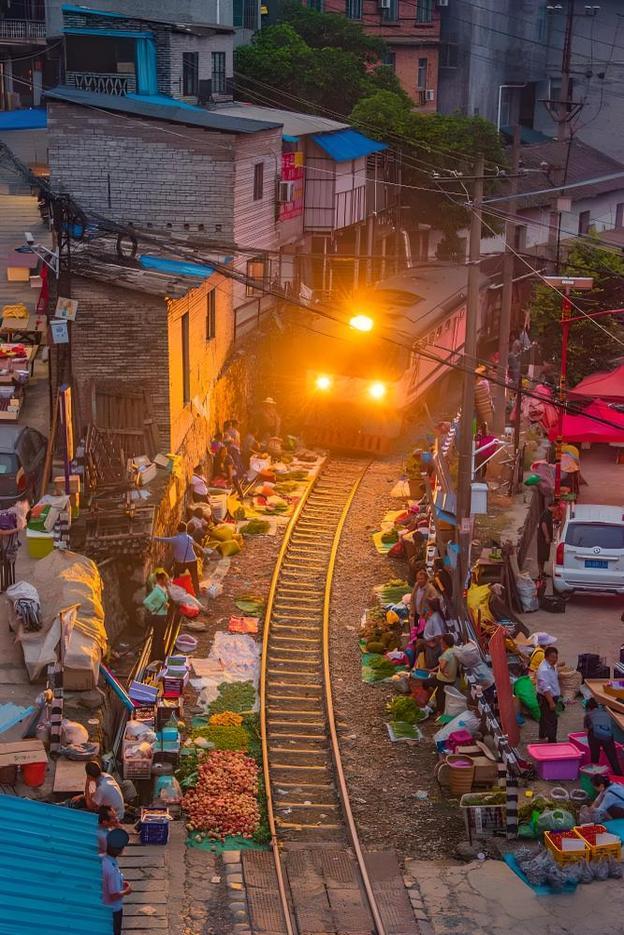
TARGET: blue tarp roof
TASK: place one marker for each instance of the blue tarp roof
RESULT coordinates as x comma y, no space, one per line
35,118
343,145
176,267
50,872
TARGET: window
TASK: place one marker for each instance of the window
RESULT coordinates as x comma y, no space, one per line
424,11
258,185
391,13
186,359
520,237
619,215
211,314
353,9
237,14
540,24
219,82
592,535
251,15
256,271
315,5
422,73
390,60
583,222
190,72
449,55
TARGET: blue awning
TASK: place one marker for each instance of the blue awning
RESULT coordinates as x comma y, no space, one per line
68,8
344,145
176,267
290,139
108,33
35,118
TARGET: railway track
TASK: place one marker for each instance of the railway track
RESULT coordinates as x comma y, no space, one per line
318,881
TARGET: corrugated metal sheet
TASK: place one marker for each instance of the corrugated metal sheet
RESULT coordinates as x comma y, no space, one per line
34,118
50,872
344,145
177,267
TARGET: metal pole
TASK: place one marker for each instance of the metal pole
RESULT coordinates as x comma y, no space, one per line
470,349
563,118
566,308
508,271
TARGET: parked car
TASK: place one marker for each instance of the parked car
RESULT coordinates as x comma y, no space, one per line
22,457
590,550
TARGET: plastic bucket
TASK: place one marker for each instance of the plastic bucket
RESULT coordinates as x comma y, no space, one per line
461,774
218,505
34,774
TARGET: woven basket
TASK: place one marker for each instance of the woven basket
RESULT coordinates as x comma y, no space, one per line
461,774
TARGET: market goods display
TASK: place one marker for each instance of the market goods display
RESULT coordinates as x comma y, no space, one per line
234,696
224,737
226,719
221,815
228,771
404,708
255,527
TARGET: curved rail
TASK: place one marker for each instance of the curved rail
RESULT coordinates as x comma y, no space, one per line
332,545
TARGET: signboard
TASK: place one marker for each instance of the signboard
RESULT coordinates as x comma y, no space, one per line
59,332
66,309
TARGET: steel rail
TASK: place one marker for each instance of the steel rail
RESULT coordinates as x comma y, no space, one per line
279,873
329,706
290,926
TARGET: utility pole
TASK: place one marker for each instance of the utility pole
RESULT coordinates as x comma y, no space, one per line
465,450
562,111
508,272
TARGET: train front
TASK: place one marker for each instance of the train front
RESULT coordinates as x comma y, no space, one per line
352,385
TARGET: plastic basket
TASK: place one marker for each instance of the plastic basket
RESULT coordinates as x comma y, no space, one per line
483,819
154,825
598,851
137,769
552,840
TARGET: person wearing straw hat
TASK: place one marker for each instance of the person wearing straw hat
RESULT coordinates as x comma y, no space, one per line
269,422
114,887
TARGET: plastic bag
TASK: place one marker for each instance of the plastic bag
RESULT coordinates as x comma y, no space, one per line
600,869
555,820
524,690
179,596
527,591
468,654
464,721
615,869
586,874
167,790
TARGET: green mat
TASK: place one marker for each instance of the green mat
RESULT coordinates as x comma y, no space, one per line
233,842
251,607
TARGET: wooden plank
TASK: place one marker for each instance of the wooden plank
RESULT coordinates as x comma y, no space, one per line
69,776
596,687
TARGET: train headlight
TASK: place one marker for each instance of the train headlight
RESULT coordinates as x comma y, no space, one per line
324,382
377,390
362,323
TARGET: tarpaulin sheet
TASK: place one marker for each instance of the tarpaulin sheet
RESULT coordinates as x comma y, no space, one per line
598,423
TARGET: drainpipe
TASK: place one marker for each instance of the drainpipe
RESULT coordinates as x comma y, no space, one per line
500,100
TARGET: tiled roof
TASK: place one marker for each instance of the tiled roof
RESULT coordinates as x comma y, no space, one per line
585,162
50,872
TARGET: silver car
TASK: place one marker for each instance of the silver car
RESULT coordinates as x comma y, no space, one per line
590,550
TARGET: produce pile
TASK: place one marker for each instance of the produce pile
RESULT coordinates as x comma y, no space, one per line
224,801
238,697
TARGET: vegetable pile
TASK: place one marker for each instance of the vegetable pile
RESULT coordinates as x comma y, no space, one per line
226,719
234,696
224,737
255,527
224,801
404,708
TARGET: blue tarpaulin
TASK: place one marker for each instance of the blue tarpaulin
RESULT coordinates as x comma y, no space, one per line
176,267
35,118
344,145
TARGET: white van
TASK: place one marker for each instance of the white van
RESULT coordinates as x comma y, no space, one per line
590,550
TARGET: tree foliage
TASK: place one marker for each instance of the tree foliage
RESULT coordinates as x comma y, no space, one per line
430,143
317,62
589,348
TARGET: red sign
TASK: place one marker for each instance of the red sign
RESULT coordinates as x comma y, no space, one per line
504,694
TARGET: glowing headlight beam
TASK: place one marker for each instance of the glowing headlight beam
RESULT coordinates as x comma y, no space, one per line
324,382
362,323
377,390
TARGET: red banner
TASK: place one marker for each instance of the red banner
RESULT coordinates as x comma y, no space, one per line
504,694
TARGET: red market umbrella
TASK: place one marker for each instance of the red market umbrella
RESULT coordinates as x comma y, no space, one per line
598,423
602,385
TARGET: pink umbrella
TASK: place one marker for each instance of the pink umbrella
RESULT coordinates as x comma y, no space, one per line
598,423
602,385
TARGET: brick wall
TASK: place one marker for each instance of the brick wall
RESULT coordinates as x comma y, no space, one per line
406,59
204,46
160,174
181,11
120,338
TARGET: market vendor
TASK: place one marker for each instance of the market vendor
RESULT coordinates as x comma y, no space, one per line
446,674
251,447
501,612
599,726
184,555
548,695
231,432
107,820
422,594
610,800
224,471
197,525
268,420
100,789
199,486
545,534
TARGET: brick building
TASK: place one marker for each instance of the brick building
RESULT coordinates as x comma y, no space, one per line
411,29
166,332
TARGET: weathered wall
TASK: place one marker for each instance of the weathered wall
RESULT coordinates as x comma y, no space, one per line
182,11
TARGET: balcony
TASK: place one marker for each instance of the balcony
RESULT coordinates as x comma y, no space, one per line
101,82
22,31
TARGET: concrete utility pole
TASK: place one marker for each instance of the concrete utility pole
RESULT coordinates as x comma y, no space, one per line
508,272
465,449
563,112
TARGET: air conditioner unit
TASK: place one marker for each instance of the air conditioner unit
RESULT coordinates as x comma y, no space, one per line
430,95
385,4
285,192
443,2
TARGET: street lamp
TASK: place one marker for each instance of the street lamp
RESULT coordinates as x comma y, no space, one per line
565,285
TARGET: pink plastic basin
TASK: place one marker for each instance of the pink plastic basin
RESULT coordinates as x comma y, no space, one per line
579,739
556,761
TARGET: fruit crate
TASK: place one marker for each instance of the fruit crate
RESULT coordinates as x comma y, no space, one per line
138,768
598,851
553,839
154,825
172,687
482,819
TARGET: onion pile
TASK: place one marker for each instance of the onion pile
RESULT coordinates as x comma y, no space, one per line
224,801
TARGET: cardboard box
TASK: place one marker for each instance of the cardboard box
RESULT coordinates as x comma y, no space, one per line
486,771
74,484
21,752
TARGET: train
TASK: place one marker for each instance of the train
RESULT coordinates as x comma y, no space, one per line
360,385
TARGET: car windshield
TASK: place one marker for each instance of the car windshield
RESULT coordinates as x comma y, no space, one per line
8,463
586,535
